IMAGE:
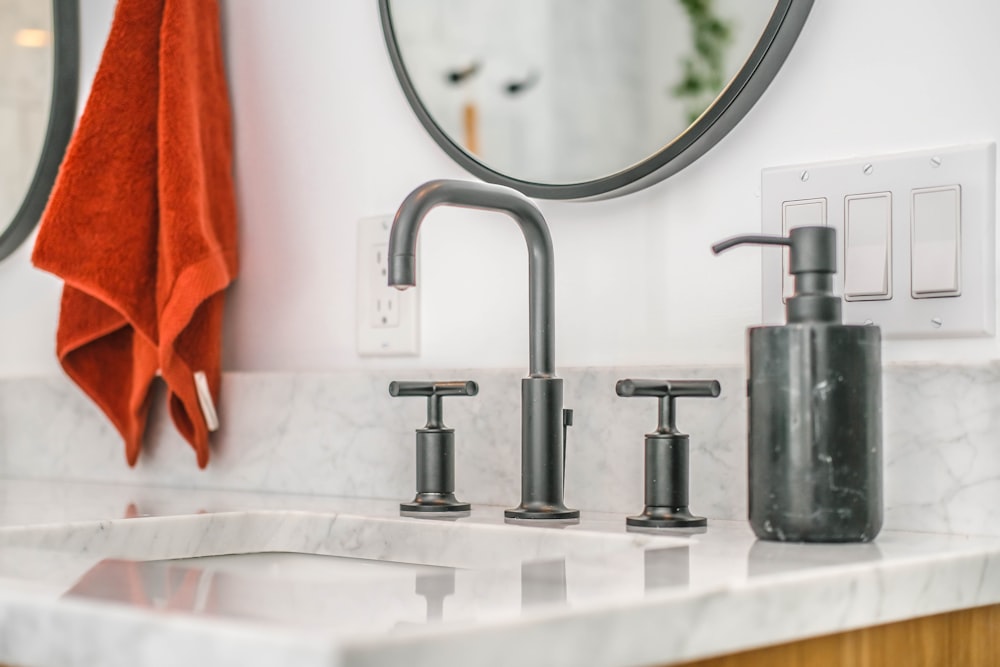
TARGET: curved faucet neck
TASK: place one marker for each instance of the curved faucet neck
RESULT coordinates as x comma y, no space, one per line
469,194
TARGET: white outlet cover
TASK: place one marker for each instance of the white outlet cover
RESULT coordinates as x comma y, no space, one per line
375,338
973,168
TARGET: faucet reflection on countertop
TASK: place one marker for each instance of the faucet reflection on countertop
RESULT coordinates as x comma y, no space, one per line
543,420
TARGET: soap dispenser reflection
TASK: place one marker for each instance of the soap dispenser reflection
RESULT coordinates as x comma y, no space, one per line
815,407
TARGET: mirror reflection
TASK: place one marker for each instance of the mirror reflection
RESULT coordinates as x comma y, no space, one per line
27,57
567,91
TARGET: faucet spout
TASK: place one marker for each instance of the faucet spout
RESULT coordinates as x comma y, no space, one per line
468,194
543,419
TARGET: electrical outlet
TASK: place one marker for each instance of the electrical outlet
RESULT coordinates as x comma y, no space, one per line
383,306
387,319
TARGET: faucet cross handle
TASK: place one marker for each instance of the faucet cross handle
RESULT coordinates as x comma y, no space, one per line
667,391
434,391
666,489
435,446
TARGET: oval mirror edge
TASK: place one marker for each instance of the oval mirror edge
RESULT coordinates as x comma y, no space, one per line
729,108
59,128
731,105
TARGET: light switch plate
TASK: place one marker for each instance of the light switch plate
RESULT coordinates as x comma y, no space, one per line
973,168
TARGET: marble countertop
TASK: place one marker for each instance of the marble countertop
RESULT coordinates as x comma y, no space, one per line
85,579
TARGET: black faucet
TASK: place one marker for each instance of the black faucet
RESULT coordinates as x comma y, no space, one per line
543,419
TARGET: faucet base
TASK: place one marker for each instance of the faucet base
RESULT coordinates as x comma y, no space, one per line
541,512
543,452
435,502
666,517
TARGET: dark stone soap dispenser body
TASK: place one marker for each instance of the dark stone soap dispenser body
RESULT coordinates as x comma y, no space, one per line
815,408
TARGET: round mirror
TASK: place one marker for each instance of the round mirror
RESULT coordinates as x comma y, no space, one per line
39,49
574,99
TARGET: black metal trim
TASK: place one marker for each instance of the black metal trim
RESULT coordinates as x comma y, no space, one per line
62,118
722,116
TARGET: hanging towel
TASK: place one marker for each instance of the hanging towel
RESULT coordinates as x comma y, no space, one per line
141,224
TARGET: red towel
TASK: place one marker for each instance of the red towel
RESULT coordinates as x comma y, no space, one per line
141,224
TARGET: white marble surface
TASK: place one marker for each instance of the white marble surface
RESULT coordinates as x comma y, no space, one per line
83,562
942,454
341,434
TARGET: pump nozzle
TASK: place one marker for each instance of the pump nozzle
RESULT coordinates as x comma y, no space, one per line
750,239
813,261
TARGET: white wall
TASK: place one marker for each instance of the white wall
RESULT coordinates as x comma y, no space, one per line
324,136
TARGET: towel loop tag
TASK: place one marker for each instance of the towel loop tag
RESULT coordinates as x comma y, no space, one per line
205,401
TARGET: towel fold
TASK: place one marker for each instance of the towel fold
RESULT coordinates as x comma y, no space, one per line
141,224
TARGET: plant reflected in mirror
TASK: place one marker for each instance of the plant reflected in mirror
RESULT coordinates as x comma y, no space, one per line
565,91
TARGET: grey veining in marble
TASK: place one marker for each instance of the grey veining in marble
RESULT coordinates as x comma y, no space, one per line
942,437
340,434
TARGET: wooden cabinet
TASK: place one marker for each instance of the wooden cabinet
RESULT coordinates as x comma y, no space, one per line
967,638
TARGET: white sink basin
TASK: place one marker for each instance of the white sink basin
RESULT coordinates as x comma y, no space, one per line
280,543
304,567
348,572
290,589
462,544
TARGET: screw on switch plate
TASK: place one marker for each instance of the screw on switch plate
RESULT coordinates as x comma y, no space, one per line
388,320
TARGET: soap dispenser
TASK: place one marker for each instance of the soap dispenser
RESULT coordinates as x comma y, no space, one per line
815,407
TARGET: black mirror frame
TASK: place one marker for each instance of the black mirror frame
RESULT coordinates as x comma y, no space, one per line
722,116
62,119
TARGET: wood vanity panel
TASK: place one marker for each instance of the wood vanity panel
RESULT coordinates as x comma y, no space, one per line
967,638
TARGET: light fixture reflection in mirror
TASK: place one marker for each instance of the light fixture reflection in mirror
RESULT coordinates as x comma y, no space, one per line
583,98
32,38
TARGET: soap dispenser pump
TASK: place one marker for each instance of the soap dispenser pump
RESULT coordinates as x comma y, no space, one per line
815,407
